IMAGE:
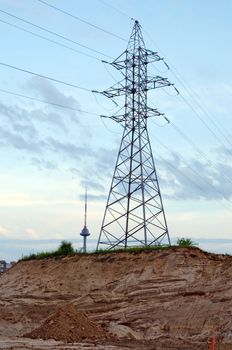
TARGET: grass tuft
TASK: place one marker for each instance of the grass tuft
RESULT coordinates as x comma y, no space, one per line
66,249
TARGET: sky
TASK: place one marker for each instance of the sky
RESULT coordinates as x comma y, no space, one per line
50,154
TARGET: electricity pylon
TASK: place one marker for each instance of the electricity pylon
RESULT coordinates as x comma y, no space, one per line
134,213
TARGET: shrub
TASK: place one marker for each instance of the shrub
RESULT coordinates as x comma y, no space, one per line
185,242
65,248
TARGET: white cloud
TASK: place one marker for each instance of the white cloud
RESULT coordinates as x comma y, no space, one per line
32,234
3,231
192,178
49,92
200,223
24,201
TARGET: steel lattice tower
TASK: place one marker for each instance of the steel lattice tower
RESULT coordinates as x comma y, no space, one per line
134,213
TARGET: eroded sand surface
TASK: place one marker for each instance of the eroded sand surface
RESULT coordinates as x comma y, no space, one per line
167,299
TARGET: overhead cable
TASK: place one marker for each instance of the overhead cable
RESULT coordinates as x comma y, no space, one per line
202,120
194,146
185,100
170,165
50,40
45,77
180,79
82,20
210,162
47,102
195,97
116,9
55,34
193,170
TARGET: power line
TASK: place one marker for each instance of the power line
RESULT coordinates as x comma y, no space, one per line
180,79
116,9
193,170
210,162
170,165
195,97
190,180
108,129
47,102
189,90
82,20
45,77
56,34
194,146
202,120
50,40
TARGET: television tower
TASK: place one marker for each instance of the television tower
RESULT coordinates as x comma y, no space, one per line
134,213
85,232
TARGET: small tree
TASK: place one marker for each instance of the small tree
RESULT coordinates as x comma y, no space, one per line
65,248
185,242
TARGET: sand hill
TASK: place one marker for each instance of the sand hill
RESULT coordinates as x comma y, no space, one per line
171,299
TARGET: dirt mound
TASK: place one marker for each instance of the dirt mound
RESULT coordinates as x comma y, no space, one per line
167,296
68,324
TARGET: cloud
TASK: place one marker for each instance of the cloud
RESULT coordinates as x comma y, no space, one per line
55,119
44,135
28,117
42,164
17,119
92,184
22,129
69,149
25,129
3,231
22,200
94,197
195,179
181,179
50,93
96,172
20,142
32,234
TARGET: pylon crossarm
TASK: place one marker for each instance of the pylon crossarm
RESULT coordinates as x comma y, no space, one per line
147,55
118,118
119,63
114,91
152,56
153,112
157,82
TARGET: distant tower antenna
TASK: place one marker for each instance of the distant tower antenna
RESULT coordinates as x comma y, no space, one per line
85,207
85,232
134,213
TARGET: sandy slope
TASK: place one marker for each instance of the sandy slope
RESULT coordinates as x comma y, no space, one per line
178,297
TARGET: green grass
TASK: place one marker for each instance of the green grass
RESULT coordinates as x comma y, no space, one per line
185,242
66,249
45,255
57,254
132,249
